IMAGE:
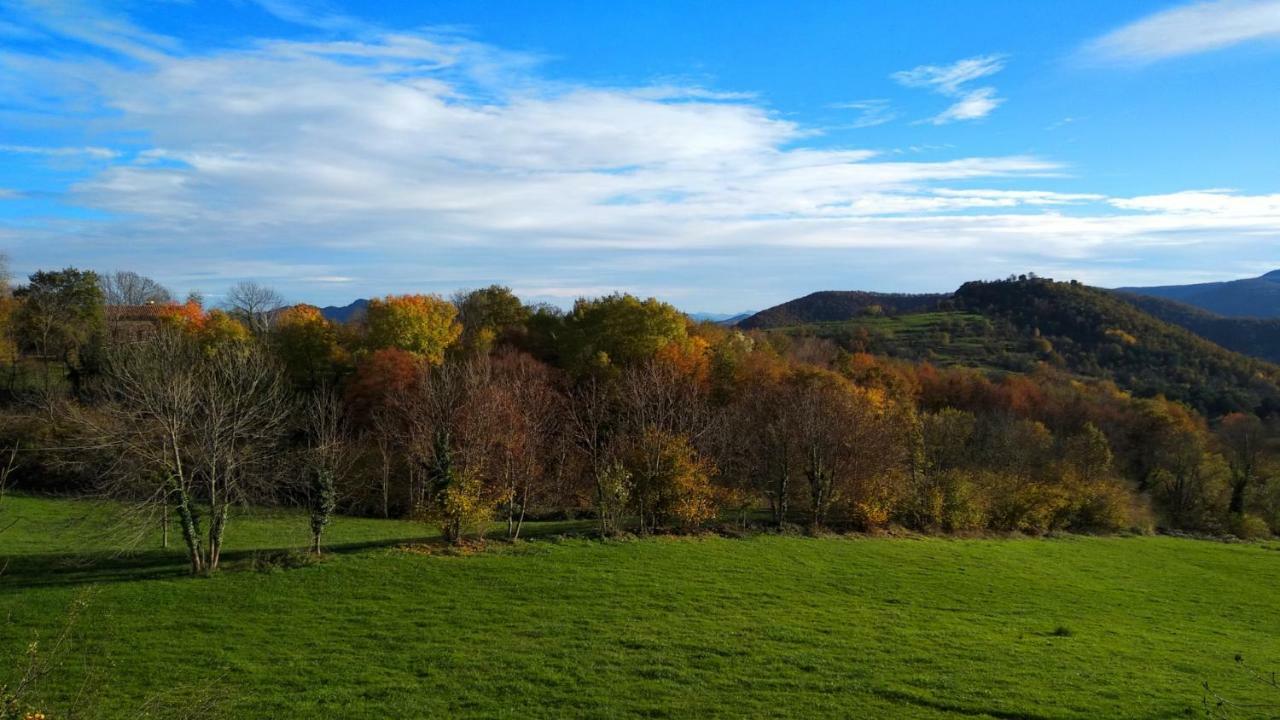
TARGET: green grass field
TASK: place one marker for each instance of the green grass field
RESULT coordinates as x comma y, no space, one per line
767,626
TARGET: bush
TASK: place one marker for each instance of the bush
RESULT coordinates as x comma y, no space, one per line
1019,505
1101,505
1248,526
965,507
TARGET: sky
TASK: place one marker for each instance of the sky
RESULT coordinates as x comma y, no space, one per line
720,156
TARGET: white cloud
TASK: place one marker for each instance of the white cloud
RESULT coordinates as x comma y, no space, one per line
1188,29
948,79
403,161
870,112
976,104
97,153
952,80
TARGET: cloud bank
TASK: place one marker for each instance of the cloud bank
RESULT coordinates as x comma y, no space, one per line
397,161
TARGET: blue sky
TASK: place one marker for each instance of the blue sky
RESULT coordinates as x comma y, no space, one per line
720,156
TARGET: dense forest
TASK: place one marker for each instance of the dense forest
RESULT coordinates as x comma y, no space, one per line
477,408
1256,336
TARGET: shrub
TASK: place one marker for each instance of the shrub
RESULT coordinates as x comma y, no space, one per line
965,507
1248,526
1101,505
1025,506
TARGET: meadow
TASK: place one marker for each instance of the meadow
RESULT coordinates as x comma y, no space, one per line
389,624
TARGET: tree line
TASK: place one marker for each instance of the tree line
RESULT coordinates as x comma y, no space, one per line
479,409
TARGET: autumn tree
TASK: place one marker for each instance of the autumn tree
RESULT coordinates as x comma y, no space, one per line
1241,437
670,480
219,330
487,315
448,427
527,413
845,443
380,377
148,416
307,344
762,447
424,325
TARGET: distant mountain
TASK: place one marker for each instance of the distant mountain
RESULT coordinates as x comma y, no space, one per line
733,321
839,305
721,318
1256,336
1254,297
346,313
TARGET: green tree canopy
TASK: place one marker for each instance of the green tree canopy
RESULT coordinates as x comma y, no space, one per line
61,316
618,330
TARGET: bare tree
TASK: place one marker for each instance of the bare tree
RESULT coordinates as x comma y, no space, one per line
591,420
447,424
189,430
254,304
760,447
244,405
385,430
124,287
147,417
330,458
526,416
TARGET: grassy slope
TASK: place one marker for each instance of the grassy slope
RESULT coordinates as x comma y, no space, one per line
943,338
770,626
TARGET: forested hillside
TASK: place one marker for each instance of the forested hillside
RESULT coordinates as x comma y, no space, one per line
834,305
1147,346
1256,336
1092,332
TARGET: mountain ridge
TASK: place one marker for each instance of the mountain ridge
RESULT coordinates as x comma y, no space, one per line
1247,297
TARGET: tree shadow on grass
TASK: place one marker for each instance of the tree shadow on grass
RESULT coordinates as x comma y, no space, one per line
21,572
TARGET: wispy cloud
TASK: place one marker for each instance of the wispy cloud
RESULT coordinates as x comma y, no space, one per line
1188,29
97,153
870,112
952,81
312,14
949,79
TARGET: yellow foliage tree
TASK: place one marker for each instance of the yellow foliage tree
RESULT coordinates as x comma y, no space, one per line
425,325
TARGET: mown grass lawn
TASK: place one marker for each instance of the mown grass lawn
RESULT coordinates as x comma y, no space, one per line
762,627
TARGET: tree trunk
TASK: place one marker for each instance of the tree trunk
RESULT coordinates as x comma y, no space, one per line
190,524
524,506
217,525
